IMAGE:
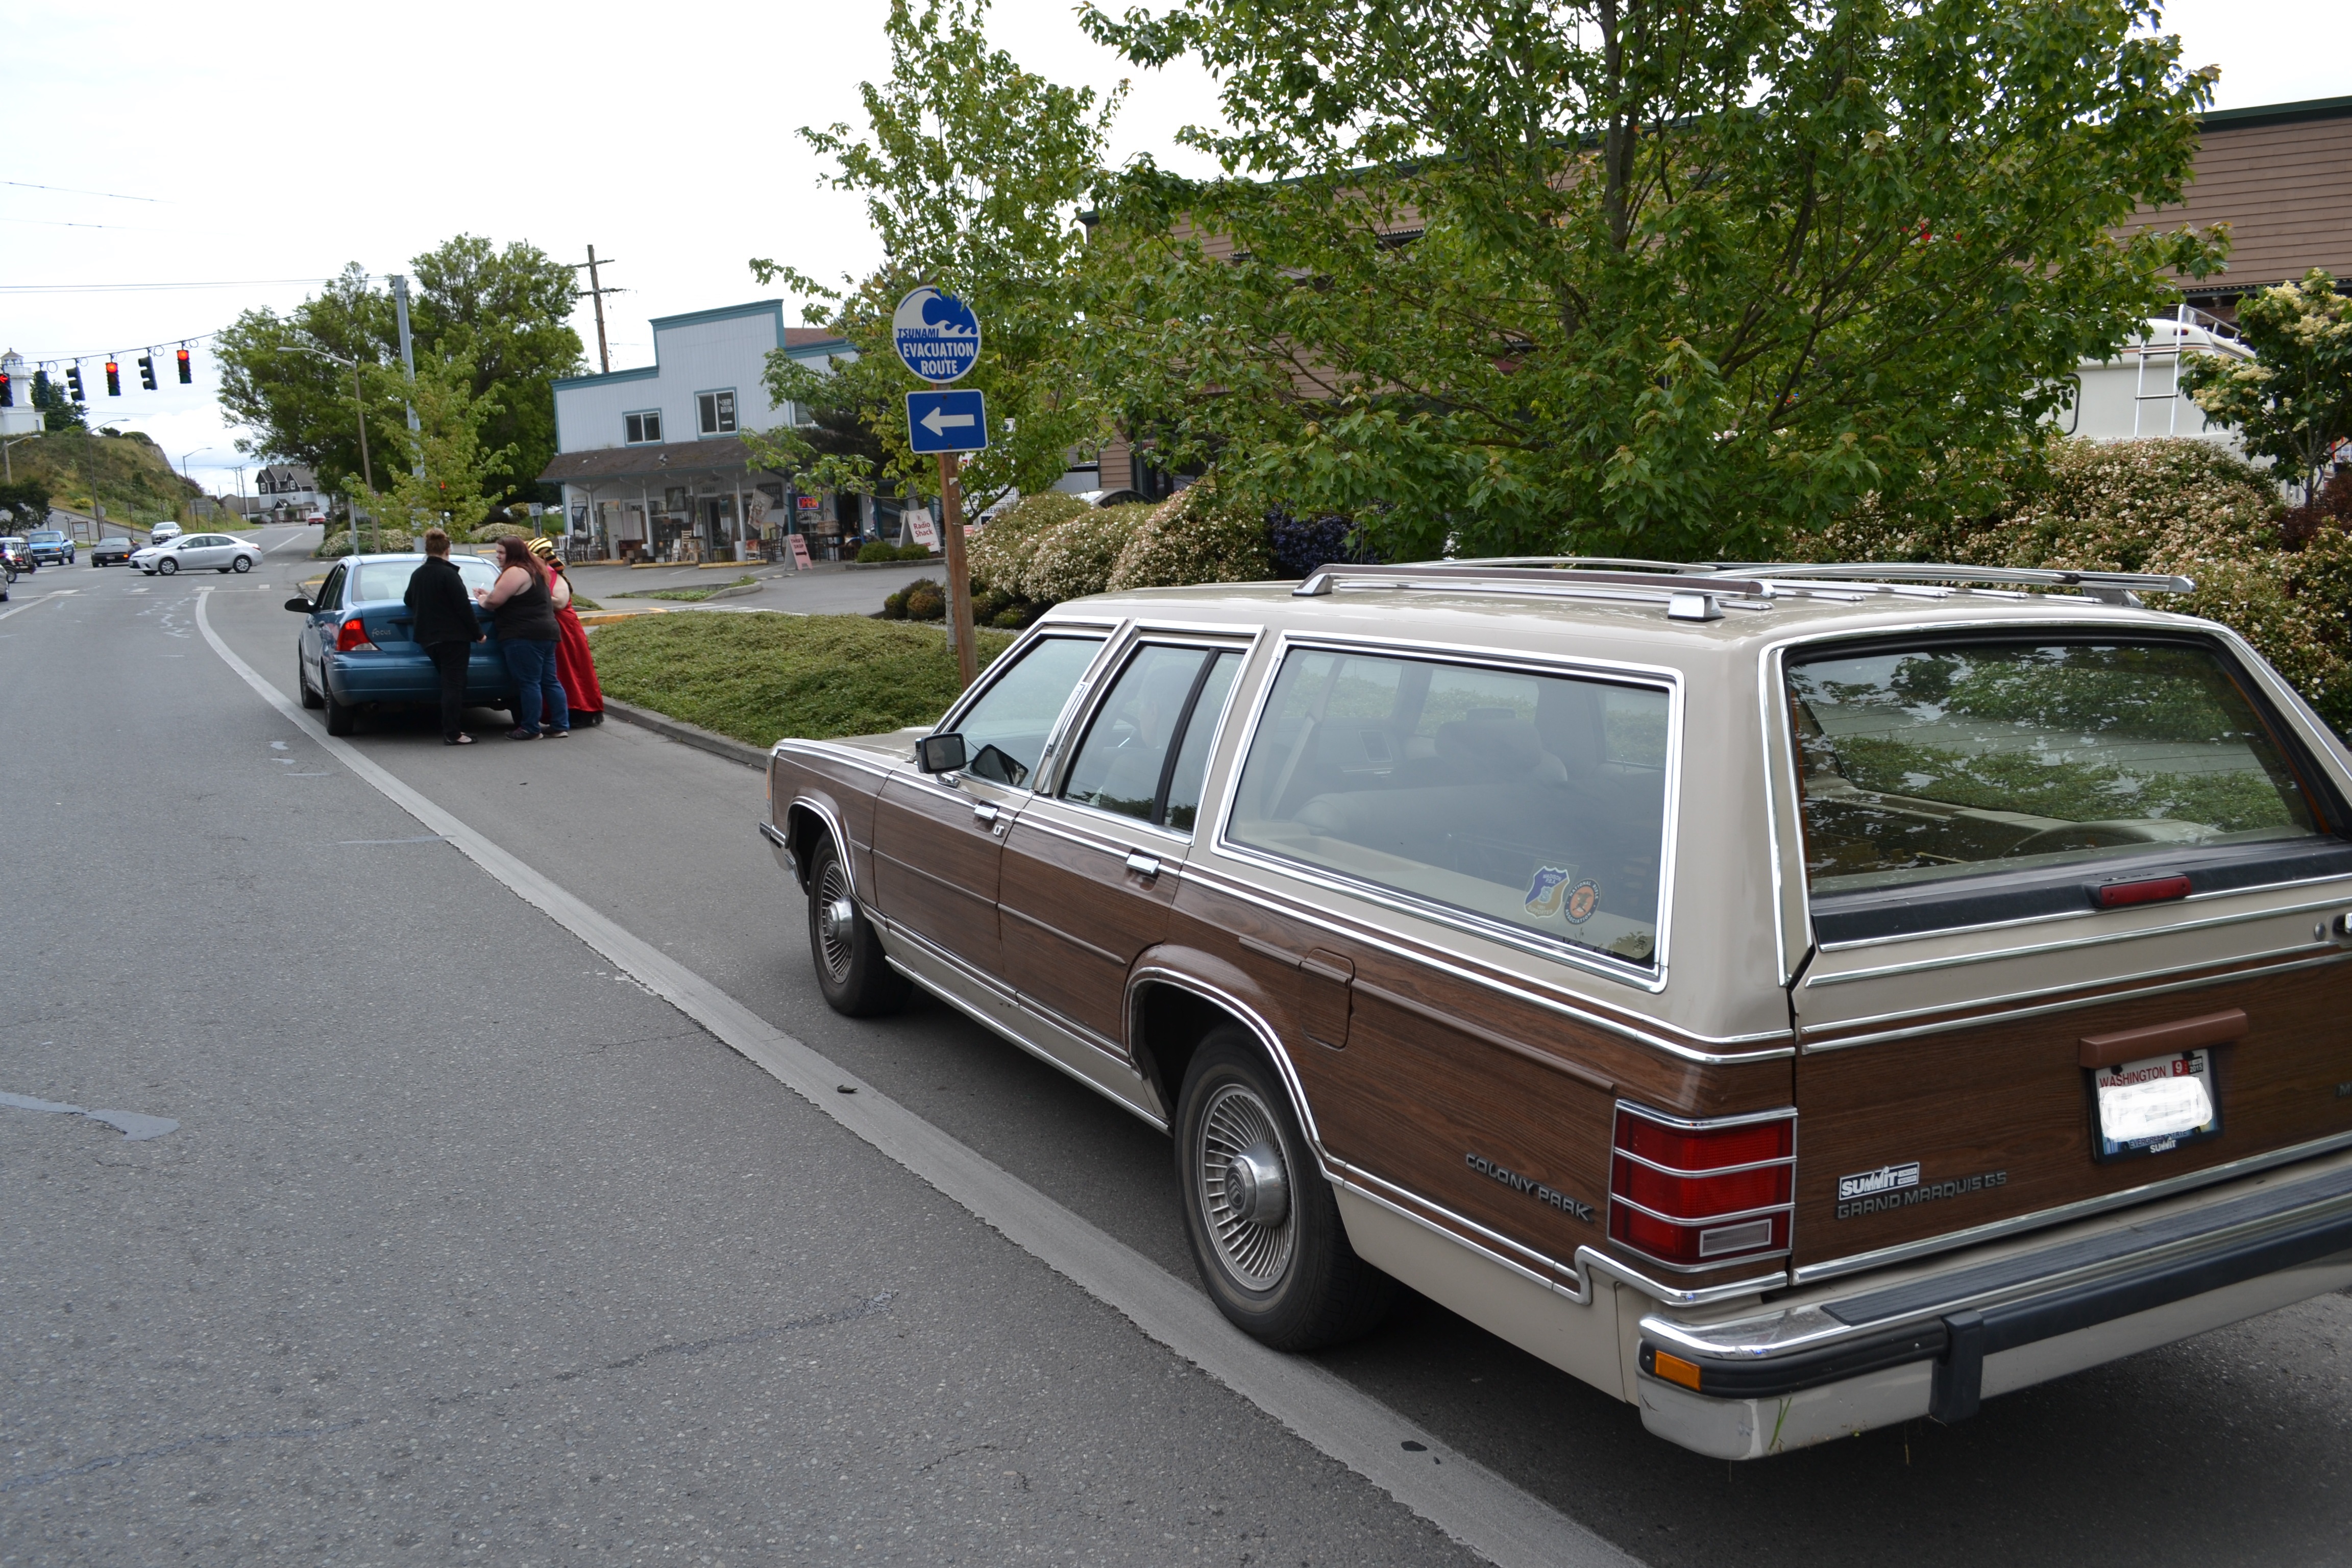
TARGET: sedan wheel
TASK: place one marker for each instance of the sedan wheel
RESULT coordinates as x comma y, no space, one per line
242,563
167,566
1263,1224
311,697
851,970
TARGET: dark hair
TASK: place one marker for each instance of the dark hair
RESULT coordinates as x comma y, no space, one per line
515,550
436,543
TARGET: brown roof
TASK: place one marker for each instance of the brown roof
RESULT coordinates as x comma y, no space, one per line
800,337
719,453
2281,177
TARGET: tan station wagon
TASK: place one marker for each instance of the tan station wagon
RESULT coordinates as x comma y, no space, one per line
1791,999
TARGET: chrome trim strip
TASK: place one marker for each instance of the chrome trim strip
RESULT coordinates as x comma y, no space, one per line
1715,1171
831,753
1105,955
767,831
1708,1222
1974,1020
1030,818
2041,1219
998,1026
1249,1019
1250,894
840,839
1651,978
1580,1293
2131,934
1703,1124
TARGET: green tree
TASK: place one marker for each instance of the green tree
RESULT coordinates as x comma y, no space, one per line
1622,277
503,311
972,170
445,472
2292,403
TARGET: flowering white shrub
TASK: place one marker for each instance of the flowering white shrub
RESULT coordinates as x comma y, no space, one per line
1193,537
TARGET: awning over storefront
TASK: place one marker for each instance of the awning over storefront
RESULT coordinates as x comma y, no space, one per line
648,463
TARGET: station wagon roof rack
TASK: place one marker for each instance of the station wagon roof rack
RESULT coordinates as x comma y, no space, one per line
2106,587
1691,590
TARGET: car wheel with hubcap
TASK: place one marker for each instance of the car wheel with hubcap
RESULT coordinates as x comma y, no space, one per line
851,971
167,566
242,563
1261,1219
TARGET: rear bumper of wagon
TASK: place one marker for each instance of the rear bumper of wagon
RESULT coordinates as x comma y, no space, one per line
1935,1341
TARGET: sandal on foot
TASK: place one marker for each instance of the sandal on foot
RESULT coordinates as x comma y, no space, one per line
457,739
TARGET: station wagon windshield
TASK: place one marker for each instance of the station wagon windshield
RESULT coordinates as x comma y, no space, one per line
1529,800
1934,763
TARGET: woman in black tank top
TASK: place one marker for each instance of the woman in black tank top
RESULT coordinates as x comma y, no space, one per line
524,617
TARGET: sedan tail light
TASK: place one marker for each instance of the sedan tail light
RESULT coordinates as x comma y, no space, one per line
1694,1194
354,638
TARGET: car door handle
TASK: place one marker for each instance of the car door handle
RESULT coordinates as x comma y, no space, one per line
1144,865
984,814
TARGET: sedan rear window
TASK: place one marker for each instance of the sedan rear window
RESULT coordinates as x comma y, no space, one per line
389,579
1927,764
1526,800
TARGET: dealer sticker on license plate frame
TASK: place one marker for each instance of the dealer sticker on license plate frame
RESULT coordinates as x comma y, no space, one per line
2154,1105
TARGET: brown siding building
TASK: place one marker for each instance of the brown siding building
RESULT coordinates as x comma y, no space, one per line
2281,177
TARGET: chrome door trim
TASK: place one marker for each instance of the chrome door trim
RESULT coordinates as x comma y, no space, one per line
851,755
1249,1019
826,815
1394,943
1100,677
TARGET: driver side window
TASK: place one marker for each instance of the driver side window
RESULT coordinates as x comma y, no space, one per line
1005,731
330,592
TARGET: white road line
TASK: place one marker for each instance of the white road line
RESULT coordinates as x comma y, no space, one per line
1469,1502
35,604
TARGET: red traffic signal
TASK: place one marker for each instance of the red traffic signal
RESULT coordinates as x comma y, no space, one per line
114,379
186,376
8,391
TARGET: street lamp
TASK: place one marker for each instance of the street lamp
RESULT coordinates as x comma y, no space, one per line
9,463
184,465
359,400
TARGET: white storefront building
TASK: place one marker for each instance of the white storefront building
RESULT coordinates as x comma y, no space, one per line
651,460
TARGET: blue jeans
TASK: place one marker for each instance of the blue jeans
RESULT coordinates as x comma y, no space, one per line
531,665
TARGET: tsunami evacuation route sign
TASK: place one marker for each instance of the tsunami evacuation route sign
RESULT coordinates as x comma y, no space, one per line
936,335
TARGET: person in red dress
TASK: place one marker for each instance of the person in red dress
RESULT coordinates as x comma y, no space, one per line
573,665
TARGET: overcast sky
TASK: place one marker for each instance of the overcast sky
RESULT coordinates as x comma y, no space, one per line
276,141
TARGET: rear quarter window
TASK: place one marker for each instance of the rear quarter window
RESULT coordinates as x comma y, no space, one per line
1524,800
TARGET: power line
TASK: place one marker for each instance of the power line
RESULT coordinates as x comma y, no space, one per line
53,223
134,288
78,191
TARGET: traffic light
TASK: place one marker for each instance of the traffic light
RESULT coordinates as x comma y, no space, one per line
186,375
147,372
73,384
114,379
40,389
8,391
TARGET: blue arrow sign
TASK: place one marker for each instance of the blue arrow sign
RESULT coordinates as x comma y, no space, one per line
946,421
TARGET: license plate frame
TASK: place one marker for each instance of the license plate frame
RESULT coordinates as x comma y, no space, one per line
2196,1064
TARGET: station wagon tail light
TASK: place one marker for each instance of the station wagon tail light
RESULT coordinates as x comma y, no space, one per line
354,638
1694,1194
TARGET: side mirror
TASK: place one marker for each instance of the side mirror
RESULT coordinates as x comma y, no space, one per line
300,604
939,753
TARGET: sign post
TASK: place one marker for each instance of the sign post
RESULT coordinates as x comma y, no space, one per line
937,339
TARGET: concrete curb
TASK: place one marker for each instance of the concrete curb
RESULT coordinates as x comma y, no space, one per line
882,565
678,730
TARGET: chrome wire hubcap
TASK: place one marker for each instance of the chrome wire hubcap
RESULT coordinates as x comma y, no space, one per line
1245,1187
835,919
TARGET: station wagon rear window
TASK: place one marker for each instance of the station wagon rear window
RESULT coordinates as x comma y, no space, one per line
2088,760
1529,800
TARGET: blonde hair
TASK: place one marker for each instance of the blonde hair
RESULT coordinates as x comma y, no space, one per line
436,543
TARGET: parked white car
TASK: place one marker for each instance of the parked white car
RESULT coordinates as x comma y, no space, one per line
221,552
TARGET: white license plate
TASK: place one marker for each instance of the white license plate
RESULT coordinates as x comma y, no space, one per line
2155,1104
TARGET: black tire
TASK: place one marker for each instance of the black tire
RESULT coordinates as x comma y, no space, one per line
1279,1268
169,567
311,697
342,718
856,979
242,563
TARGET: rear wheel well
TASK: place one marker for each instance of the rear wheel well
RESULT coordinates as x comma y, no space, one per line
1169,1024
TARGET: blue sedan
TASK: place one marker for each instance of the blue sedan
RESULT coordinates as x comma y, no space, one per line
357,647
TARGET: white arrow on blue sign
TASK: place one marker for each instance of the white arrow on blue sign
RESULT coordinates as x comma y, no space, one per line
944,421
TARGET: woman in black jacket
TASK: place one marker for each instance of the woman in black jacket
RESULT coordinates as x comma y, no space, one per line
446,628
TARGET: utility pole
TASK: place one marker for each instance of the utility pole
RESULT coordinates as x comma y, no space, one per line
596,291
8,462
408,361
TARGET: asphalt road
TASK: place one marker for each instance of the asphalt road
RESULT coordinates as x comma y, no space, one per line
463,1246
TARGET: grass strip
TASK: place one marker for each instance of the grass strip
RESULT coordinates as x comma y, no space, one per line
761,678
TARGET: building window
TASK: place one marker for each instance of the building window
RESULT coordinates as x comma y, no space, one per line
645,426
717,412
